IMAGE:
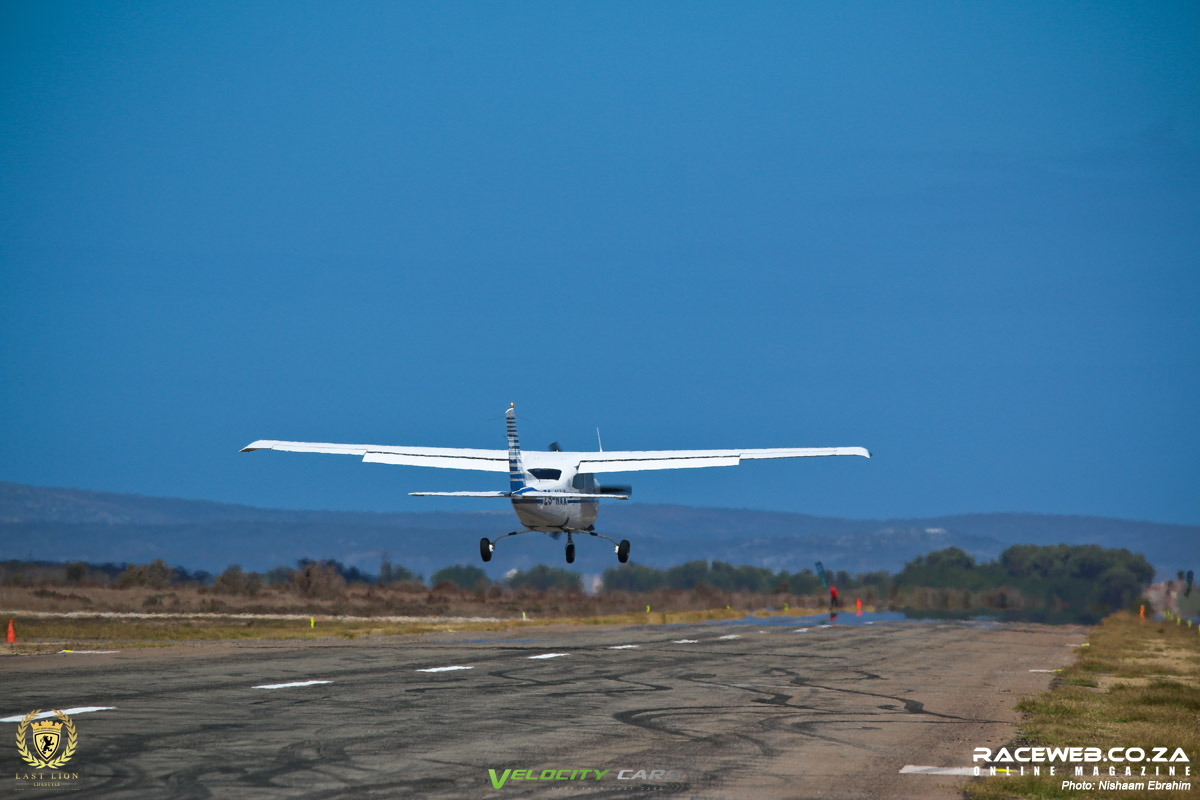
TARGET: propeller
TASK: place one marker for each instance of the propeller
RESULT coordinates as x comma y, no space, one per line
554,448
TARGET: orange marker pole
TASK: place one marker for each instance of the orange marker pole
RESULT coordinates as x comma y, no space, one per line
1142,615
12,634
858,603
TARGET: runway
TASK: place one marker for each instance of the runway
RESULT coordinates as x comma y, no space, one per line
770,709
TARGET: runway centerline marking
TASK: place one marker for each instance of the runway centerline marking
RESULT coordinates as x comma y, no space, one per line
443,669
550,655
910,769
290,685
623,647
67,711
730,636
686,641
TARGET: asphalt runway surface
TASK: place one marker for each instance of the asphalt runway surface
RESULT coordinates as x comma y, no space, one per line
701,711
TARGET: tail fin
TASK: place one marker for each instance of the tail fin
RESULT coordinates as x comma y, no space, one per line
516,469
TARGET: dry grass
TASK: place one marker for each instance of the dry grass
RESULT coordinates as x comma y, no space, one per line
1135,685
51,633
373,601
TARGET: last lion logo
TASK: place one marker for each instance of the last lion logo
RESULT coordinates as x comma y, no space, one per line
46,744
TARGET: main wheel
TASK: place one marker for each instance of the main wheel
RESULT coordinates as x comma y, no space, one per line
570,554
485,549
623,551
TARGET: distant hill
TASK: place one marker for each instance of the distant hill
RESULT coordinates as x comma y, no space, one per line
72,524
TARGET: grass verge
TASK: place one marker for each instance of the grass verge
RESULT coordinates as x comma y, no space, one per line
1135,685
50,634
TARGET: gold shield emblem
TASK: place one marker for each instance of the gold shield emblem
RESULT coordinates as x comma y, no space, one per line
45,737
46,740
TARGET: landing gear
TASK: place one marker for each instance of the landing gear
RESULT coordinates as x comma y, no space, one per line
488,546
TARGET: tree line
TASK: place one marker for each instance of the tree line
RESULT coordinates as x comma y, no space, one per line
1080,577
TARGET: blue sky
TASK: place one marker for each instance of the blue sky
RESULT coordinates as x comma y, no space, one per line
965,236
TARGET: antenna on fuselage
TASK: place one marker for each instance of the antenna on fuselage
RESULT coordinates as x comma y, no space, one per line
598,440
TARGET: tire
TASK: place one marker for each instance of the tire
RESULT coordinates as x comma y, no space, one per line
485,549
623,551
570,554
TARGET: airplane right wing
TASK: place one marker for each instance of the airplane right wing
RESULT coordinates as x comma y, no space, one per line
636,460
442,457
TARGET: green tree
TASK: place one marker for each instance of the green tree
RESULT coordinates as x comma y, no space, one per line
542,578
467,578
633,578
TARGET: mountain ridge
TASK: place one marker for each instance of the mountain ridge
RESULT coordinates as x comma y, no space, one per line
79,524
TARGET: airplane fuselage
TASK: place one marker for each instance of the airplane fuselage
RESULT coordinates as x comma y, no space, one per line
550,514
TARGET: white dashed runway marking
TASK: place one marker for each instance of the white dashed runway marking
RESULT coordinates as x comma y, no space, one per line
730,636
67,711
290,685
443,669
623,647
686,641
910,769
550,655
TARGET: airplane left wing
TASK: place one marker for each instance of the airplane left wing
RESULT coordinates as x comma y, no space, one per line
442,457
636,460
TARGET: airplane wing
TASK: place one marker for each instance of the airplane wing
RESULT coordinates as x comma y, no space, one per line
443,457
635,460
525,493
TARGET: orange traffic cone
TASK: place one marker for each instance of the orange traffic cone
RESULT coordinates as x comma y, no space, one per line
12,635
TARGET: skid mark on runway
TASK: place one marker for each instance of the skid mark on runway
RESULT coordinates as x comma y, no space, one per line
910,706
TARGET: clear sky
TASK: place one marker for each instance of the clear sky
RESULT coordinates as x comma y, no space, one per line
963,235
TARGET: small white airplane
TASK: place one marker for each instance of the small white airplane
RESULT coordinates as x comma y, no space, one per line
553,492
